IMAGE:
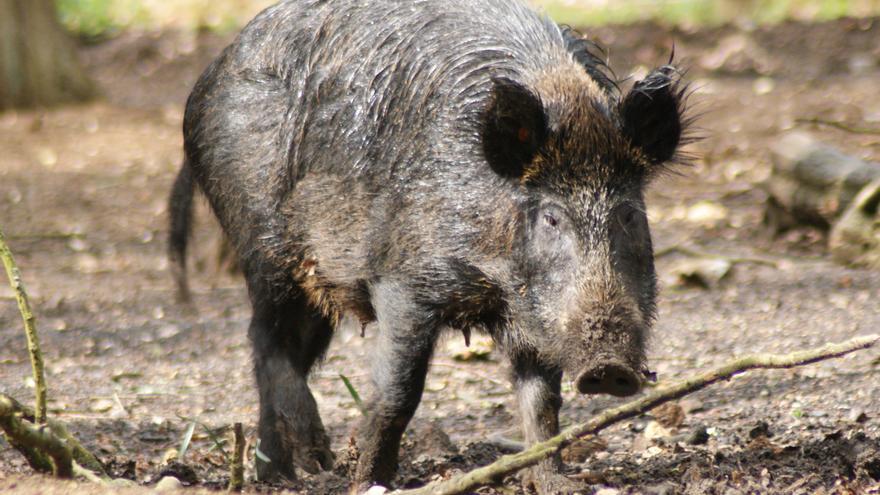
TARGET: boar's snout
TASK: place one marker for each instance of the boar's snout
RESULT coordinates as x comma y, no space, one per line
609,377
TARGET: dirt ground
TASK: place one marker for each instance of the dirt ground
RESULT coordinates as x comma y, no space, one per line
82,201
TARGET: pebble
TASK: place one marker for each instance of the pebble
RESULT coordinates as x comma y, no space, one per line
699,436
762,429
168,484
858,416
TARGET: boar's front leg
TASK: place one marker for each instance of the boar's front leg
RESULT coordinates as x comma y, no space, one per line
400,363
538,392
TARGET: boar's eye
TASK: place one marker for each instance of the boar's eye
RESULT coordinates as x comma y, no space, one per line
629,216
550,220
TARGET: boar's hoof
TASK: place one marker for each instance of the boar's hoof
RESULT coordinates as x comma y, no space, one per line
609,377
315,456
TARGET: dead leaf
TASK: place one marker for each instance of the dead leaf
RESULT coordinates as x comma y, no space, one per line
581,450
670,415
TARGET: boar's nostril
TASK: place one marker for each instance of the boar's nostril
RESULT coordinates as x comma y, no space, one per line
608,378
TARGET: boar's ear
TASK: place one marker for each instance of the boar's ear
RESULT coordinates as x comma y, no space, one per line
652,114
514,127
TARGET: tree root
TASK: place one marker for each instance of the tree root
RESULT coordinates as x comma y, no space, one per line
17,416
35,442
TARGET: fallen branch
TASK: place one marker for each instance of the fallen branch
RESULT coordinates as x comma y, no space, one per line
26,428
35,439
839,125
236,466
812,183
693,253
30,329
81,455
510,464
47,236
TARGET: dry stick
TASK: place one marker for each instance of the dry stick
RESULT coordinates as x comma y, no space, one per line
839,125
510,464
38,415
236,471
699,254
30,330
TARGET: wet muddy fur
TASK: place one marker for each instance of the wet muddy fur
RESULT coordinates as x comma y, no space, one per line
426,166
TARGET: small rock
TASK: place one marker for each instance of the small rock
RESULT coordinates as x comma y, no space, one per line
101,405
57,324
179,471
47,157
376,490
77,245
763,86
871,465
168,484
858,416
666,488
430,439
641,444
700,436
691,406
707,213
655,430
762,429
699,272
607,491
638,425
652,451
170,455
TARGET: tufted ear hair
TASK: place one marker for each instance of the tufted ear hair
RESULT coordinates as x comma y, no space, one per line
652,114
514,127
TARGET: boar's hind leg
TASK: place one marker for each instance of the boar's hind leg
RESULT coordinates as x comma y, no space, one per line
288,337
403,349
538,392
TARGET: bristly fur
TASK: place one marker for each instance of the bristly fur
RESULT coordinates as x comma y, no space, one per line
672,76
428,165
587,53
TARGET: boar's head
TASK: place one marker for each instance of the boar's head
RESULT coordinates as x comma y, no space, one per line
582,155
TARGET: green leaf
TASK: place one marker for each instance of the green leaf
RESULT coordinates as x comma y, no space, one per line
259,453
187,438
354,394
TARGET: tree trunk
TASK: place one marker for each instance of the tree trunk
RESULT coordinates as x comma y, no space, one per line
38,61
811,183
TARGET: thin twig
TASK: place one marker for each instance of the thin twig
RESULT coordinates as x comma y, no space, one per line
30,328
48,236
510,464
236,467
693,253
839,125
